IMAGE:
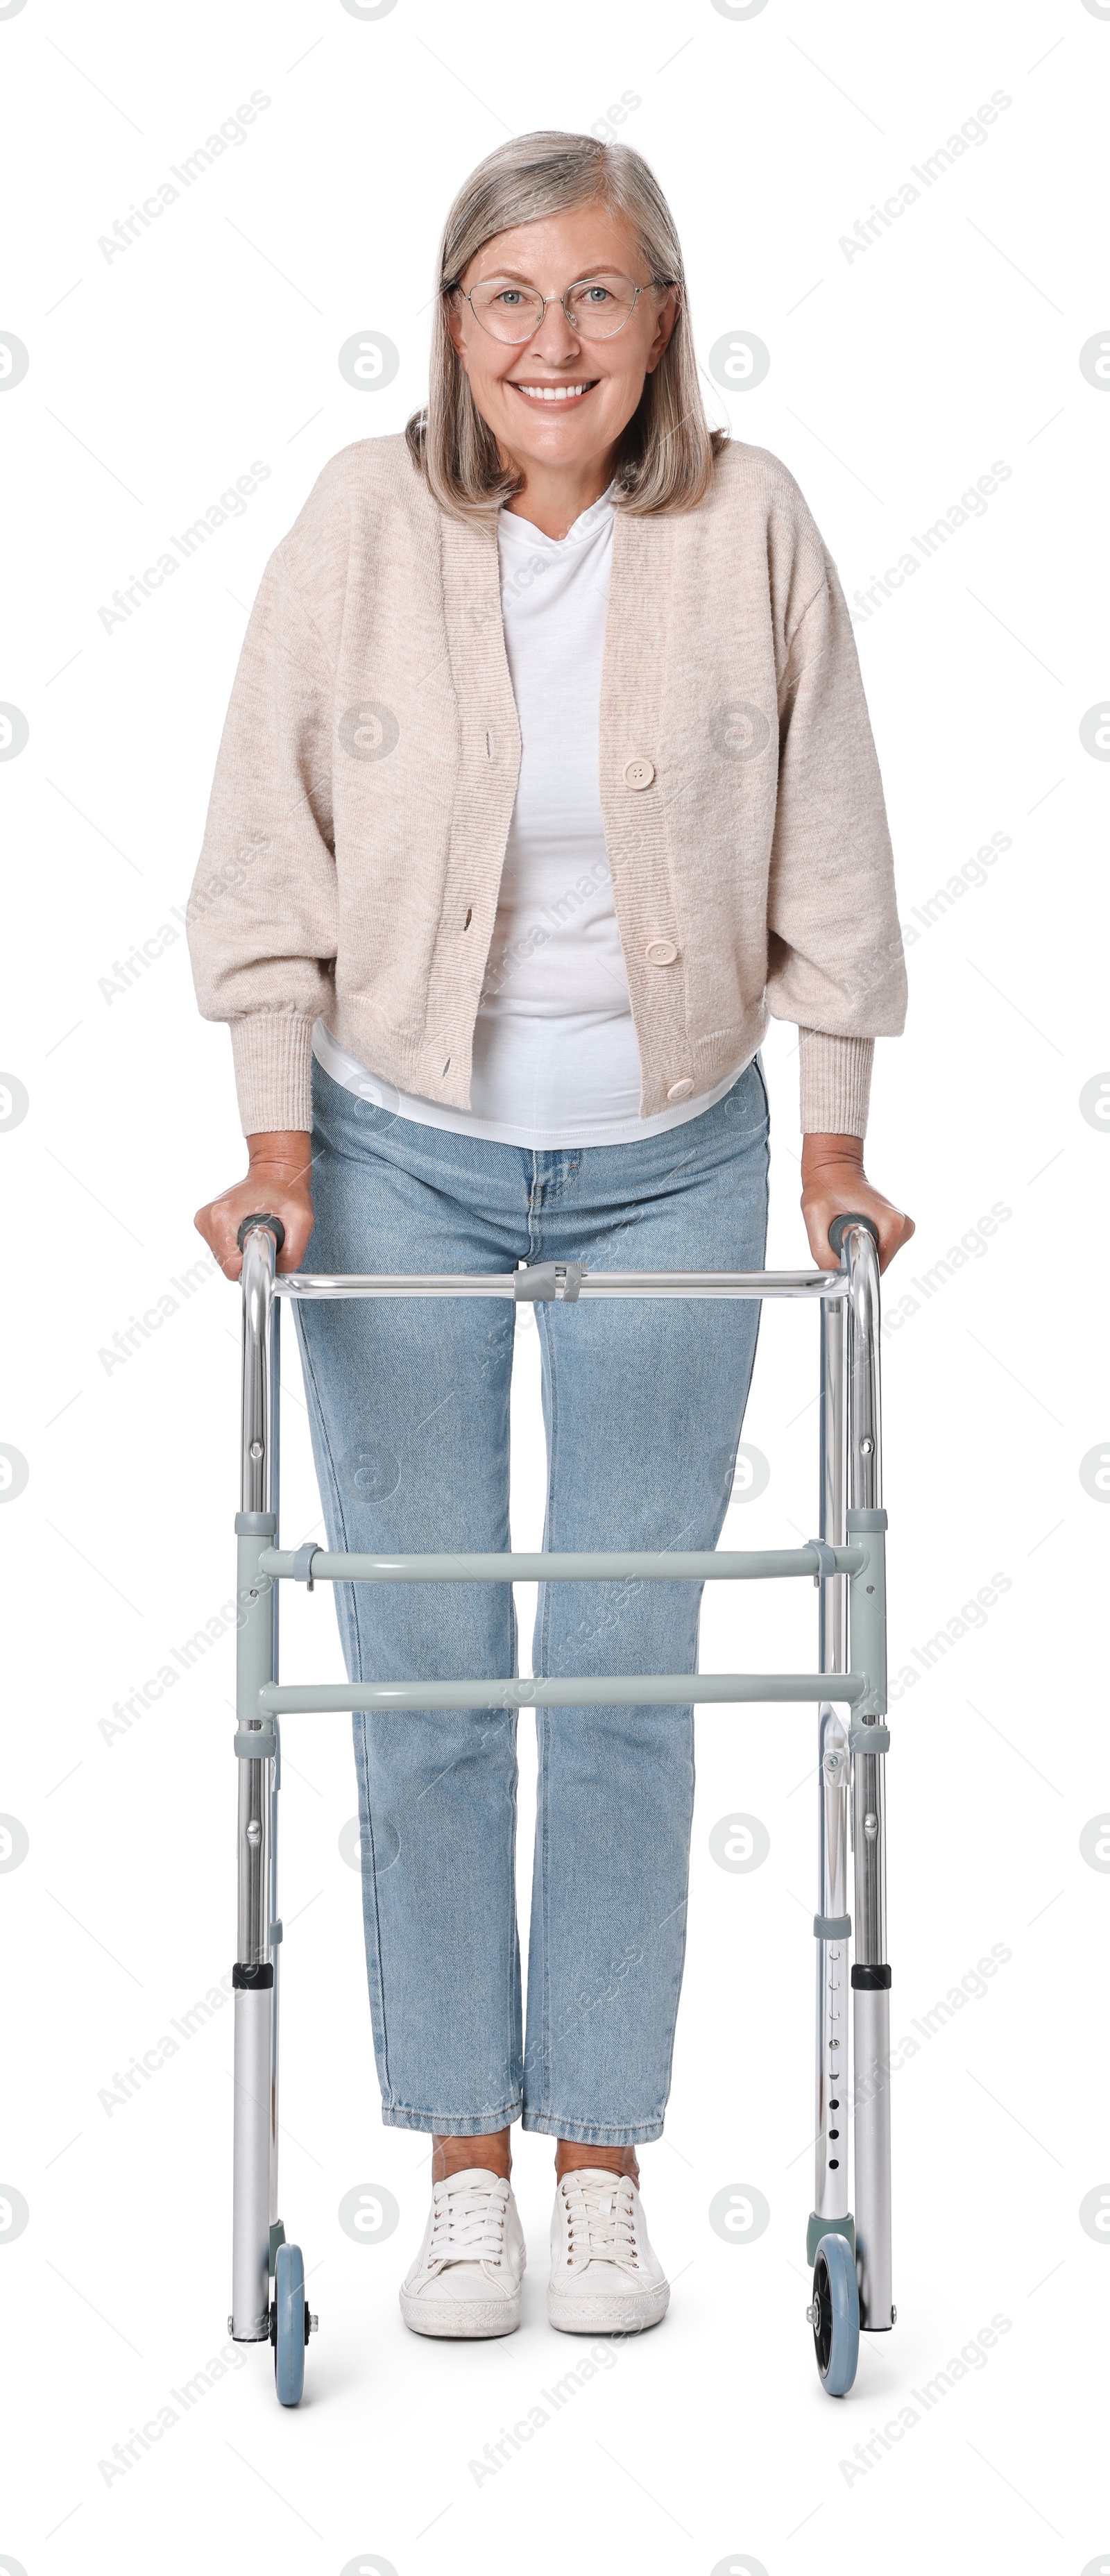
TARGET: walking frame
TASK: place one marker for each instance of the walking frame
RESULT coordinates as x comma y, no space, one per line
849,2253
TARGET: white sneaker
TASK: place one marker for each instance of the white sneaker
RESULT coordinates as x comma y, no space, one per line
605,2276
466,2277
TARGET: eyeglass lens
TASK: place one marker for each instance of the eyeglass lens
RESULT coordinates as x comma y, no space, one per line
595,308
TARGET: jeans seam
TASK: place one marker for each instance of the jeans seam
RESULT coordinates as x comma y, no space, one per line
438,2123
363,1777
544,1729
592,2133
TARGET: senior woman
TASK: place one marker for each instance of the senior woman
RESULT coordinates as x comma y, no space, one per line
547,777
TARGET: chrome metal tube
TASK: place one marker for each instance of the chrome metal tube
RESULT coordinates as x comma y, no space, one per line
255,1841
254,1848
832,2165
250,2256
258,1377
865,1472
869,1844
871,2119
831,2158
602,1283
255,2175
871,2001
831,1630
273,1494
275,1990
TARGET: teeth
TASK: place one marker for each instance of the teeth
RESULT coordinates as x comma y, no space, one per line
553,393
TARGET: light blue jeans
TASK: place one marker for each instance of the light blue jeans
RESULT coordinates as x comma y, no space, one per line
643,1407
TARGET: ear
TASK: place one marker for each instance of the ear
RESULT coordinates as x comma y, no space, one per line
454,325
667,317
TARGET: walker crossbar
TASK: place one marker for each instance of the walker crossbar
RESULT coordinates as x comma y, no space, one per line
716,1565
571,1690
851,2253
590,1284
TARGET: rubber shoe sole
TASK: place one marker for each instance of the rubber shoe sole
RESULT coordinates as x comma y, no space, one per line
585,2313
467,2320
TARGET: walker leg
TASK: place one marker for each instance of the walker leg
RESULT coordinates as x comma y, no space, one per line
253,1974
832,1923
870,1971
871,2034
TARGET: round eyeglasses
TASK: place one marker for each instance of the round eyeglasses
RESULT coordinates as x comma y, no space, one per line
595,307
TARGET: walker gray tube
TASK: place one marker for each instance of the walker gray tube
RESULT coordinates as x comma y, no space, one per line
574,1690
717,1565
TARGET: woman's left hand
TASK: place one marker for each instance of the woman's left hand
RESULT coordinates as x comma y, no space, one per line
834,1183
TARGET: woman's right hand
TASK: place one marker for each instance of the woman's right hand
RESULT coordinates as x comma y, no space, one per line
279,1183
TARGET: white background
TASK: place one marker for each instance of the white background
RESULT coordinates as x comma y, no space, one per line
897,378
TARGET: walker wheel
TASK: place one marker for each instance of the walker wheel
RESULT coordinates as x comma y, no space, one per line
289,2324
834,2315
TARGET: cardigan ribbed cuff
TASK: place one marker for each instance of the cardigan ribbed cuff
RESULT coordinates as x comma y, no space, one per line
835,1083
272,1054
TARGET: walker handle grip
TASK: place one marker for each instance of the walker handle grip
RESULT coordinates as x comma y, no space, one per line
275,1226
839,1228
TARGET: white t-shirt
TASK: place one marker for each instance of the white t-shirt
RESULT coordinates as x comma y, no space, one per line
555,1059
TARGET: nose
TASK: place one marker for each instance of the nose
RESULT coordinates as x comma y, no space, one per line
554,340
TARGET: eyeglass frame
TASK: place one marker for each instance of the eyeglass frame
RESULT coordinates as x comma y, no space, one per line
457,288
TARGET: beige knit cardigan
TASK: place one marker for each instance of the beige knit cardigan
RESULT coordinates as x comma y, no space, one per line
368,768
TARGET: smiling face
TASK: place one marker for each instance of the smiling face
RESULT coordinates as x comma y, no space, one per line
558,402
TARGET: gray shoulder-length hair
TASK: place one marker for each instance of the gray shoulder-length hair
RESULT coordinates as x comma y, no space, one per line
667,452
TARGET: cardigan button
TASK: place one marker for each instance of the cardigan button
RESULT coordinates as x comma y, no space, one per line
639,773
660,952
681,1090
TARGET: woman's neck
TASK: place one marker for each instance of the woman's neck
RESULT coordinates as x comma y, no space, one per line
553,500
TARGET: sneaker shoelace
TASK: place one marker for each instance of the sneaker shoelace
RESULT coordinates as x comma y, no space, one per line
601,2220
468,2221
